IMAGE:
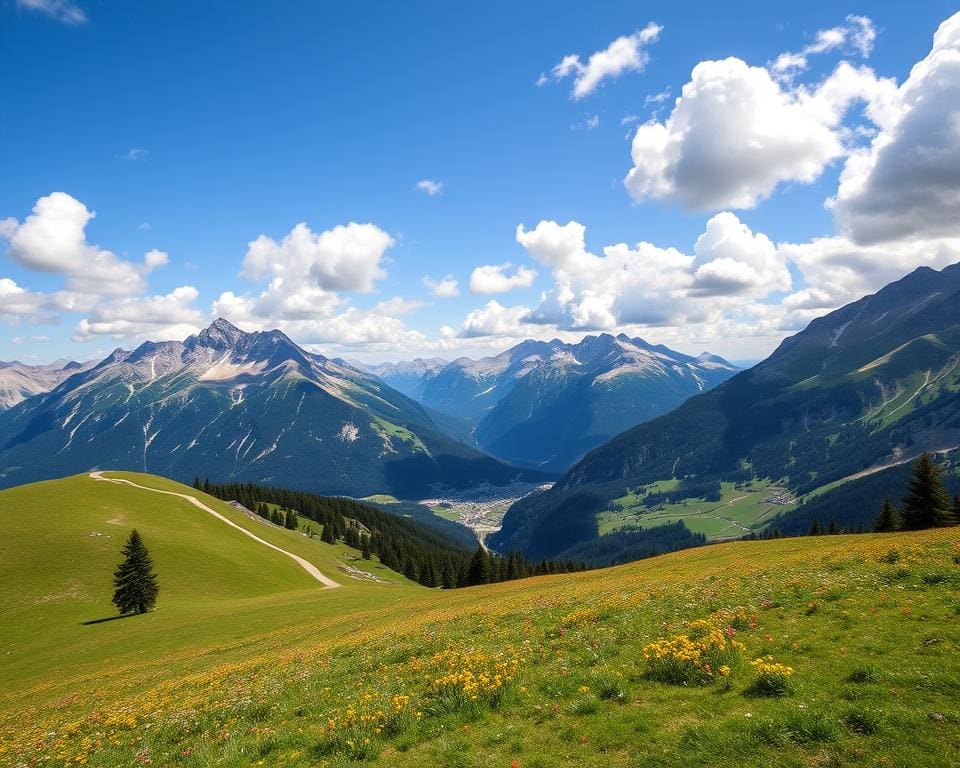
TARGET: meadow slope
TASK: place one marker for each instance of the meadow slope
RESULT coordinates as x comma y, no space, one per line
248,661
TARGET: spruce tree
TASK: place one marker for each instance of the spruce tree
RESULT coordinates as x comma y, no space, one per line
479,569
134,580
956,510
365,548
328,536
888,519
927,503
815,529
290,520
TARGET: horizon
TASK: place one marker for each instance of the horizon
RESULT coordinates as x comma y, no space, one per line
608,207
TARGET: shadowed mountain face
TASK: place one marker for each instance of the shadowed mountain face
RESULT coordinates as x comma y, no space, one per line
237,406
862,386
545,404
19,381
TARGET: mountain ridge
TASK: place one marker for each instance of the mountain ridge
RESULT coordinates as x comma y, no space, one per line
854,387
545,404
238,406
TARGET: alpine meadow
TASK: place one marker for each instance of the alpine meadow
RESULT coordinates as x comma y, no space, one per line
511,384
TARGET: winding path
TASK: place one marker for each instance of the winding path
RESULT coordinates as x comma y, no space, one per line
309,567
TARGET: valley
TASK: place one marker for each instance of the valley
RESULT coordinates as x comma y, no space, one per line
481,509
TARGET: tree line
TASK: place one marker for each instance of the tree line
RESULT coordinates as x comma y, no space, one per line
420,553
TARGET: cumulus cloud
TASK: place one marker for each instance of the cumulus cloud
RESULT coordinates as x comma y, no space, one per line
647,284
53,239
625,54
447,288
306,274
730,260
736,133
64,11
494,278
907,182
494,319
170,316
346,258
18,305
430,186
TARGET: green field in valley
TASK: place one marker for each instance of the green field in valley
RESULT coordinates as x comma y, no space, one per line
742,509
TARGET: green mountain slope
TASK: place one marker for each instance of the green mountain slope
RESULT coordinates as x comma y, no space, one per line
249,664
857,387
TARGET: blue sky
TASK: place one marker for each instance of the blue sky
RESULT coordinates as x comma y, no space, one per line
194,128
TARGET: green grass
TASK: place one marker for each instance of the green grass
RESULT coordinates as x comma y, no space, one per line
381,498
246,662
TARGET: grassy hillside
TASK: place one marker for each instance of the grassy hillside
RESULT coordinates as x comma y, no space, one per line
247,661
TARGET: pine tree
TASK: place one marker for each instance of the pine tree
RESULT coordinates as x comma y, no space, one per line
927,503
290,520
328,536
815,529
275,517
134,580
365,548
888,519
956,510
833,530
479,570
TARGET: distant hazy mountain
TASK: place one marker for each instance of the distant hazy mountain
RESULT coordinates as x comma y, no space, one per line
545,404
237,406
19,381
864,386
408,377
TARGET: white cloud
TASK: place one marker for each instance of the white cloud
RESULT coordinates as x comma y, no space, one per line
18,305
730,260
430,186
625,54
137,153
907,182
170,316
155,259
53,239
855,35
64,11
447,288
346,258
647,284
494,319
736,133
493,278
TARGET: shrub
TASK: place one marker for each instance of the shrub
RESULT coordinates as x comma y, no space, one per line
706,652
771,678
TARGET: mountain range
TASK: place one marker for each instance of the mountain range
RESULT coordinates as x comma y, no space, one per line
869,385
240,407
545,404
19,381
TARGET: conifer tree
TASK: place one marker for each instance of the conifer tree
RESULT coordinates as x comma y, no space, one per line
479,569
365,548
134,580
328,536
956,510
290,520
927,503
815,529
888,519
